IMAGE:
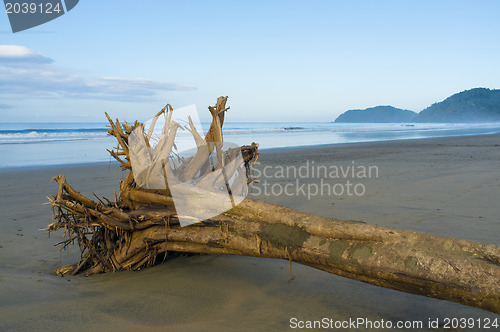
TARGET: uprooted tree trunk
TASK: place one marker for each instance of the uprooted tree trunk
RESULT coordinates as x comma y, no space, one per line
142,226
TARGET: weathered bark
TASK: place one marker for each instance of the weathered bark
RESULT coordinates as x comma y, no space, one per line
141,226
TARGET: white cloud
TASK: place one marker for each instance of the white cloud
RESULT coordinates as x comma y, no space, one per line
20,54
38,78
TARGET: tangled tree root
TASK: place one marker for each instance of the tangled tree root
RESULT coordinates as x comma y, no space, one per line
141,226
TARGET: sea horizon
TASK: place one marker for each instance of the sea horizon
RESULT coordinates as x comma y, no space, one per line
61,143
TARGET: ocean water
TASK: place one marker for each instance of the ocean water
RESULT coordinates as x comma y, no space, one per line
44,144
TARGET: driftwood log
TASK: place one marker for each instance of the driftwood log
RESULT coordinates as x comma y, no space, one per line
141,227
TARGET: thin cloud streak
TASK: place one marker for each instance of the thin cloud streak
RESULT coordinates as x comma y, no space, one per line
15,54
5,107
37,77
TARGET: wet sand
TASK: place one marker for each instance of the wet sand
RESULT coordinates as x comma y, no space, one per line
446,186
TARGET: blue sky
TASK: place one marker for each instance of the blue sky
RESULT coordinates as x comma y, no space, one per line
276,60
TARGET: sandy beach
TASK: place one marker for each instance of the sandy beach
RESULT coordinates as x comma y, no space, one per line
446,186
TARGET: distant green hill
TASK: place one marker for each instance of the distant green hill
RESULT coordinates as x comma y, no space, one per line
378,114
475,105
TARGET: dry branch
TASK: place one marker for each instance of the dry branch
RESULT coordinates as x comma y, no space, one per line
142,226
